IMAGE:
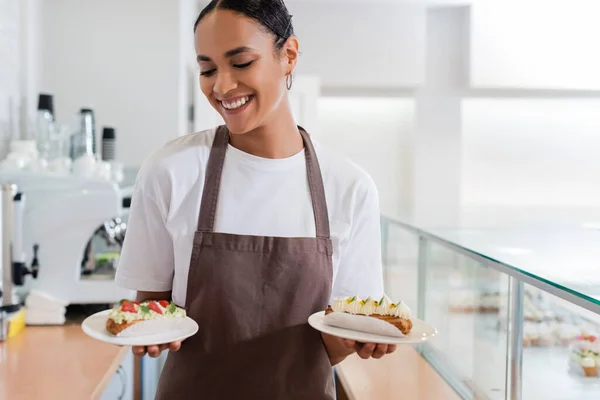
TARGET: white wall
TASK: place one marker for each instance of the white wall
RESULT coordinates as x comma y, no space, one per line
375,133
436,145
188,67
357,44
531,152
535,44
19,68
123,58
10,63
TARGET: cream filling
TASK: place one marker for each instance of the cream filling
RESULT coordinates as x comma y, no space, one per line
370,306
144,313
588,362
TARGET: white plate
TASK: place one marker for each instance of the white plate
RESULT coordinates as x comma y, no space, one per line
182,328
421,332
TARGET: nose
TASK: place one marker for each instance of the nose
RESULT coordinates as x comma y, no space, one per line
224,83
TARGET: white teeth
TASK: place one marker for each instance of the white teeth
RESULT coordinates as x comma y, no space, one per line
236,104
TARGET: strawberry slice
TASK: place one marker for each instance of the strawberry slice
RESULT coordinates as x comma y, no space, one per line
163,303
128,307
154,307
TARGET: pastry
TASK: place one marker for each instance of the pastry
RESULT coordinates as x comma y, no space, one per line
546,335
397,314
490,303
585,352
129,313
463,301
567,334
590,366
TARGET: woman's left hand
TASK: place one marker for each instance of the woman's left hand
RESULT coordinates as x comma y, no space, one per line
369,350
338,348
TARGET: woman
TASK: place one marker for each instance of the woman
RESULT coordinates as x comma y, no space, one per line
251,227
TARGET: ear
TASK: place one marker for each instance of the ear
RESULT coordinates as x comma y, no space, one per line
290,53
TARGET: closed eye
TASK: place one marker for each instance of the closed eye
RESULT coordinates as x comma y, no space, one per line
208,73
238,66
242,66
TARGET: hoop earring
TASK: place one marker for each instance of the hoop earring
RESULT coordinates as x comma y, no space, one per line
288,81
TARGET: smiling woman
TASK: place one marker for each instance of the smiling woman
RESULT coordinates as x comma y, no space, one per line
250,76
251,227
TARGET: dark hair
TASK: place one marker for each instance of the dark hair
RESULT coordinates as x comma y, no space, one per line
273,15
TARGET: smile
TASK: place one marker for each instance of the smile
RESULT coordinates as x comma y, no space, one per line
236,103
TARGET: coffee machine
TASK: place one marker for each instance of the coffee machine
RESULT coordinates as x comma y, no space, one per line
72,231
12,268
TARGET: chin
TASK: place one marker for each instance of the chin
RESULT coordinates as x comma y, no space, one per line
237,129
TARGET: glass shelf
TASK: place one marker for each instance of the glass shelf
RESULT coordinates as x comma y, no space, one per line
509,306
566,260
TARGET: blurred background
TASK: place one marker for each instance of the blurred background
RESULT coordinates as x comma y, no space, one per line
455,107
479,121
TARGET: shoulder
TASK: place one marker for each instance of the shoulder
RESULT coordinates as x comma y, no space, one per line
177,152
179,158
342,174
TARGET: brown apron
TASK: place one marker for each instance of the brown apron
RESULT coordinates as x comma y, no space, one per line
251,297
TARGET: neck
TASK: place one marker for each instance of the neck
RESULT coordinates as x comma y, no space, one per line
278,138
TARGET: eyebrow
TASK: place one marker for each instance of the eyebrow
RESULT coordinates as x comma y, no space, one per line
228,54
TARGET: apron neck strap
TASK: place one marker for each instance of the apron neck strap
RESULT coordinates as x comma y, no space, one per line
317,188
212,183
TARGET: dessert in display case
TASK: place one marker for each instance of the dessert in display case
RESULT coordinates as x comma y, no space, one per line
518,313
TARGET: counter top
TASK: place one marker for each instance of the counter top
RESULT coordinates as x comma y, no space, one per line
403,374
56,362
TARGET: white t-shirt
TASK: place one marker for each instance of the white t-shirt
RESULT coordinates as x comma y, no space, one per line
257,196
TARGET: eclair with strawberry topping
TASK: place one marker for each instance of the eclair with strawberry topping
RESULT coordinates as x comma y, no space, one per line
128,313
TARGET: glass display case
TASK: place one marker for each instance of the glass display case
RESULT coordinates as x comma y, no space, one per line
518,312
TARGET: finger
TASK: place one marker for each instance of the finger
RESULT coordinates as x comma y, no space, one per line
174,346
163,347
153,351
380,351
349,344
366,350
139,350
391,348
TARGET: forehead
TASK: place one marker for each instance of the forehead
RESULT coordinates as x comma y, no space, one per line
223,30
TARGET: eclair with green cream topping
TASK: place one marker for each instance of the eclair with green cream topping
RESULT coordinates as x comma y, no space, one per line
397,314
128,313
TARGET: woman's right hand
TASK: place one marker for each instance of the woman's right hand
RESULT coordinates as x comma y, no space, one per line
155,350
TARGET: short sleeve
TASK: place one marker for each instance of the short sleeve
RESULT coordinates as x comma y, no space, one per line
147,258
360,271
